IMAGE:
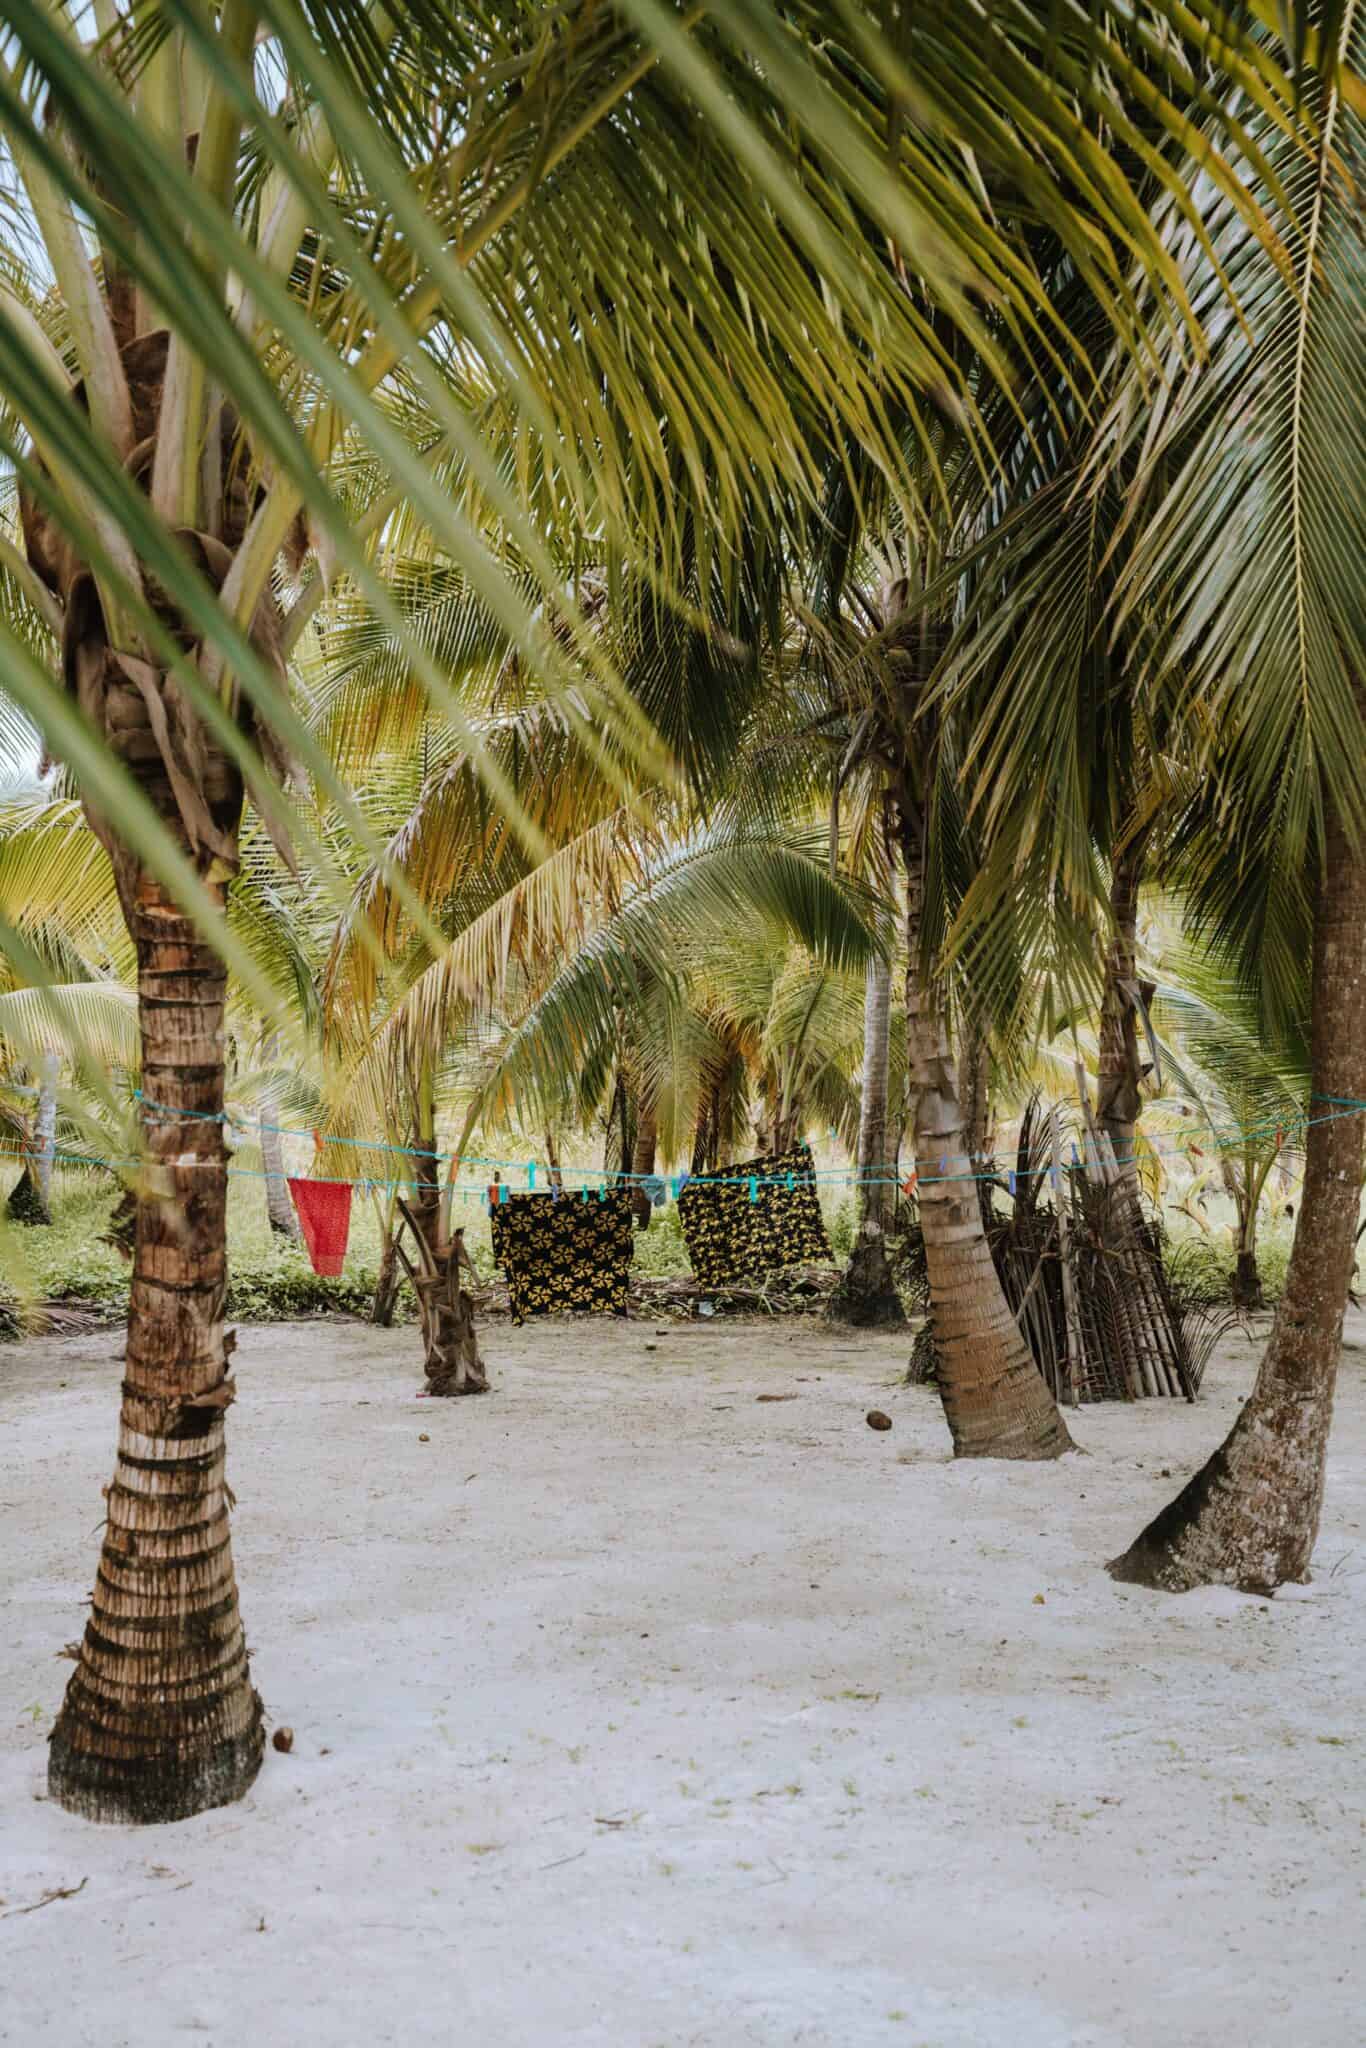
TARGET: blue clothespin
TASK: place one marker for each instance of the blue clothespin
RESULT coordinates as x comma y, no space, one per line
531,1174
602,1192
789,1183
1011,1178
674,1186
502,1191
1075,1160
753,1188
583,1194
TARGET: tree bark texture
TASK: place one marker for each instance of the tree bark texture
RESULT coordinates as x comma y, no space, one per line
387,1283
160,1719
30,1199
994,1396
866,1296
450,1342
1247,1280
1119,1066
976,1092
643,1161
279,1207
1250,1516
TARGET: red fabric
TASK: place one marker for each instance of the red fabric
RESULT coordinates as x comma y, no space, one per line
324,1208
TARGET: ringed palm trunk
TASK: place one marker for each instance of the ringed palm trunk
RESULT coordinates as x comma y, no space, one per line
160,1719
1250,1516
866,1295
995,1399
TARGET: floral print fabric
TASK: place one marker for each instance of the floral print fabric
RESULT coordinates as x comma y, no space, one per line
732,1236
562,1252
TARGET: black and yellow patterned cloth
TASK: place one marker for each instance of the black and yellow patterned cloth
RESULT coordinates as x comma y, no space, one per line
563,1253
732,1237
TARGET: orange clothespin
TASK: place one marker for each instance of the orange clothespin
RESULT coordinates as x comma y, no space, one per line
908,1185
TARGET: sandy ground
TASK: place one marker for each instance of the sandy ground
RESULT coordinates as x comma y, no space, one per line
631,1710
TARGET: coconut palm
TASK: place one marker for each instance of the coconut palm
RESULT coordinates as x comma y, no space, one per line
1259,540
156,509
262,231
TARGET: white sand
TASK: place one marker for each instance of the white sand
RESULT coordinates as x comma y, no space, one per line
631,1711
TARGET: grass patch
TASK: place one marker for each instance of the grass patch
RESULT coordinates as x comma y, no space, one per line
269,1277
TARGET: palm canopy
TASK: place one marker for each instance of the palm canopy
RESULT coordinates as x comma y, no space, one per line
384,202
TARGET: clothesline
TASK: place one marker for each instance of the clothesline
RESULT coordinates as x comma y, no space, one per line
1344,1106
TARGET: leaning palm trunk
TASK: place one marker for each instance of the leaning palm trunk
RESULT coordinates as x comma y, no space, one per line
995,1400
1250,1516
160,1719
866,1295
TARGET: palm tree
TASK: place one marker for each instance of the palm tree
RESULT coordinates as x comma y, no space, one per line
1257,534
155,511
258,255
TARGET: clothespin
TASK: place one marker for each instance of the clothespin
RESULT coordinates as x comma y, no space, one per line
943,1169
583,1194
675,1186
789,1183
1196,1153
502,1191
1011,1179
1075,1160
908,1186
531,1175
753,1188
602,1192
1280,1137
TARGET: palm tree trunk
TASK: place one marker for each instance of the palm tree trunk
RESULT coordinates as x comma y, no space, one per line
995,1400
1119,1068
30,1199
279,1208
160,1719
976,1092
1250,1516
45,1131
643,1160
866,1295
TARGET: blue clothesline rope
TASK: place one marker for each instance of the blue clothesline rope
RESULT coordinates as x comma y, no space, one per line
1341,1106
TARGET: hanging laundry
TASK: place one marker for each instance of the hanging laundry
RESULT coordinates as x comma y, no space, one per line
561,1255
731,1237
655,1189
324,1209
